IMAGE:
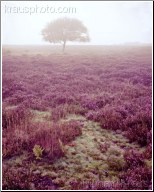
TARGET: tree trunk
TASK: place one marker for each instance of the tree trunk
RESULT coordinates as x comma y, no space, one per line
64,44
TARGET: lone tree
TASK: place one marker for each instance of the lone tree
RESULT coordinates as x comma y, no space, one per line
65,29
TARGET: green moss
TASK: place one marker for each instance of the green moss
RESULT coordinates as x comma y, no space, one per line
115,163
114,151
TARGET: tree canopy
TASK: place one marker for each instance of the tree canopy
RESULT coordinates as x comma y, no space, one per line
65,29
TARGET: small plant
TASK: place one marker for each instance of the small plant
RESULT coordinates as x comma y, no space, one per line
37,150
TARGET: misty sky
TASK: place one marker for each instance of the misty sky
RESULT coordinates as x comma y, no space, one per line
108,22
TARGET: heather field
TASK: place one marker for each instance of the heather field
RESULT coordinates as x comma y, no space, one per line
78,120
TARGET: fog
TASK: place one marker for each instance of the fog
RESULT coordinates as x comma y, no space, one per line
107,22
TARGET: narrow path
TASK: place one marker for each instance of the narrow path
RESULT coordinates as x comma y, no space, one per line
95,156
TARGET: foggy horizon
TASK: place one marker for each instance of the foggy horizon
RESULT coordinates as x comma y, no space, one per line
81,44
108,23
